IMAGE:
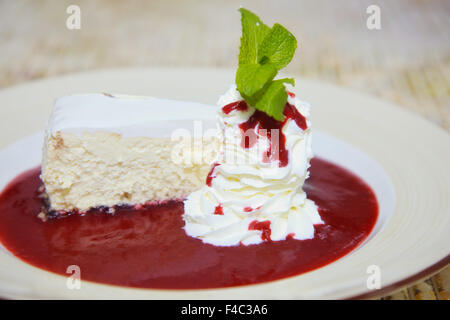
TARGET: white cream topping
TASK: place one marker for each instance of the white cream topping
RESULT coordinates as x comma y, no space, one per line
130,116
247,189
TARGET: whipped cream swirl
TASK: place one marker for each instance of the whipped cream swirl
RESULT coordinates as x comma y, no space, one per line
254,190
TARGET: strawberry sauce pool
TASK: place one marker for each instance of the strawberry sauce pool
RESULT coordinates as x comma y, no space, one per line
148,248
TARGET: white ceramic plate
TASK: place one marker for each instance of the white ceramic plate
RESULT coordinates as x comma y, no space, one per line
404,158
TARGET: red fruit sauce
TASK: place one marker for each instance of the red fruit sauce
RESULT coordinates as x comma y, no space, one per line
148,248
263,226
211,175
238,105
219,210
261,124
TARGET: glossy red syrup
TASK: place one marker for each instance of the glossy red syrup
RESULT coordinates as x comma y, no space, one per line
148,248
219,210
211,175
263,226
260,123
238,105
292,113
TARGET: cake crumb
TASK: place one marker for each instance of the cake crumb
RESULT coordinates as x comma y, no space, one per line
42,216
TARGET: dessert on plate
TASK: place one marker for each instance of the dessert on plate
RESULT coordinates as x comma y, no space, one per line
103,150
241,201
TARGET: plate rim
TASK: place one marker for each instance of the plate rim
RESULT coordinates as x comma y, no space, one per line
402,282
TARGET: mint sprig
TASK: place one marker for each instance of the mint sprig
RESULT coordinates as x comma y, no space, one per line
253,34
263,52
274,98
252,78
278,47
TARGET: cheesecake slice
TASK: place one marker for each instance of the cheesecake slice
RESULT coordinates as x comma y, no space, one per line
104,150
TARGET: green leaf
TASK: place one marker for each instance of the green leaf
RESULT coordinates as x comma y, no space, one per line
278,47
253,34
274,99
263,52
252,78
290,81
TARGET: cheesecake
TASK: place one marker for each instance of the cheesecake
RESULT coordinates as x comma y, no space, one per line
105,150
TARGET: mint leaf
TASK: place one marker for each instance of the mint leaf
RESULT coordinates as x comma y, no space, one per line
253,33
274,99
251,78
278,47
263,52
290,81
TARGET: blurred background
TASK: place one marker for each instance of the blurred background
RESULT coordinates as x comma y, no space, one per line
406,61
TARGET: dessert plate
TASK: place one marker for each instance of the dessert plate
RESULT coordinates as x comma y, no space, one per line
401,156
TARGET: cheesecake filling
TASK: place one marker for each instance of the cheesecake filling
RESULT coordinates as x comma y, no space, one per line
253,192
105,151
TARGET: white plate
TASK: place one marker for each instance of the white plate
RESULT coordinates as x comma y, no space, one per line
404,158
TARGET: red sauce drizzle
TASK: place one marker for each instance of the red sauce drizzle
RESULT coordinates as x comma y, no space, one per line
219,210
277,148
248,209
148,248
263,226
238,105
211,176
291,112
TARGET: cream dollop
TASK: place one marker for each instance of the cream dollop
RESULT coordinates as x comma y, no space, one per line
248,199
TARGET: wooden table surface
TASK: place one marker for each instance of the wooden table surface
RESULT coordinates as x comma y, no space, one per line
407,61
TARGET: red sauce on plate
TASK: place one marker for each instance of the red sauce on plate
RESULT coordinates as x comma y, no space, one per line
148,248
263,226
